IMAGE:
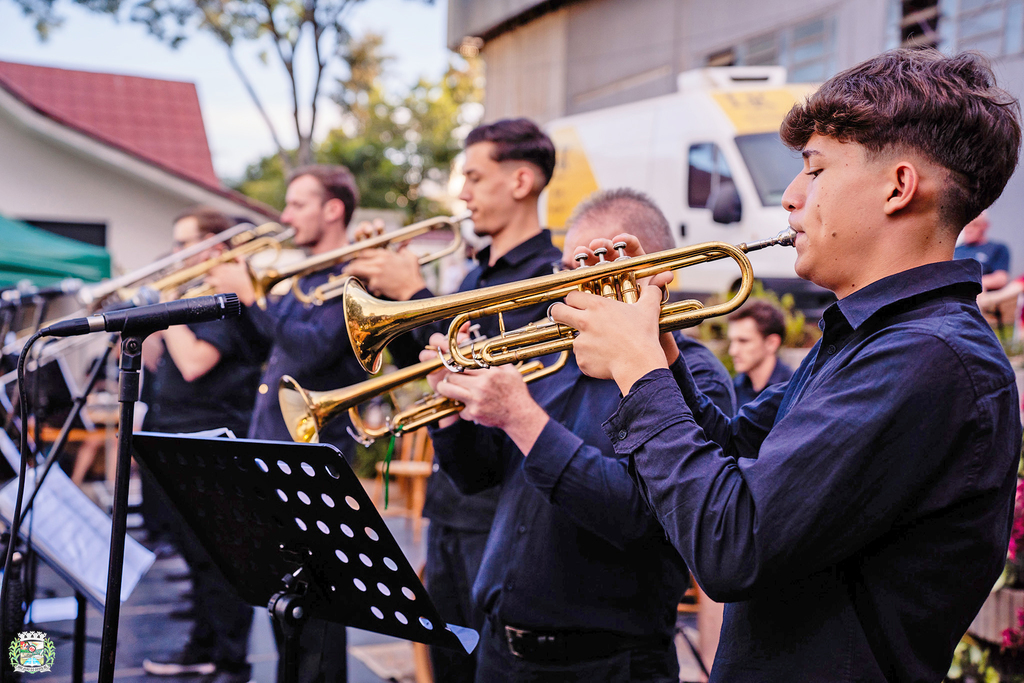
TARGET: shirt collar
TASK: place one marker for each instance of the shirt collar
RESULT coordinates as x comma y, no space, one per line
863,304
520,253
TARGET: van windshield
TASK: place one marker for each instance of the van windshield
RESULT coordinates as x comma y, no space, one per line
772,165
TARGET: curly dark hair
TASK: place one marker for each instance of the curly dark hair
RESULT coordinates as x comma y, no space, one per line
948,109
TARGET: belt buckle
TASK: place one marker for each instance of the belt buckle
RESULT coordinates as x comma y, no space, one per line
512,637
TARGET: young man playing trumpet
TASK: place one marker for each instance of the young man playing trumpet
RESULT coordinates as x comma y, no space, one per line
310,344
578,581
855,519
508,164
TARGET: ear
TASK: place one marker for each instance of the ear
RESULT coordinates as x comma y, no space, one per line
773,342
524,179
334,210
902,187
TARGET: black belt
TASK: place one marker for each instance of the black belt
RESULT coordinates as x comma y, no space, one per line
568,646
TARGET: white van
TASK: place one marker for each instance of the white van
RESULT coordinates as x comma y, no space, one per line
709,155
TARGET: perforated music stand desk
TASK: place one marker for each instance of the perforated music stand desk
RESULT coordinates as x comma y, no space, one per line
265,509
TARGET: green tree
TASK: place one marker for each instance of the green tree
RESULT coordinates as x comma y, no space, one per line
287,27
400,148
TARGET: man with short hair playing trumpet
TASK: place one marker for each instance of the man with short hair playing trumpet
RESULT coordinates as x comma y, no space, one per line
577,581
508,163
855,518
309,343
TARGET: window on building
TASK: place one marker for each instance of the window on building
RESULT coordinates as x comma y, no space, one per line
707,169
772,165
807,50
919,23
994,27
90,233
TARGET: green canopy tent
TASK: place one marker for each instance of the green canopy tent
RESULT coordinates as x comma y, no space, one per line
28,253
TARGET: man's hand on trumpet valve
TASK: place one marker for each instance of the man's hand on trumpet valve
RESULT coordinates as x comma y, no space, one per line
392,274
233,277
616,340
367,229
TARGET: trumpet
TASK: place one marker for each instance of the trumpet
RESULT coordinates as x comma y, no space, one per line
185,283
95,296
264,281
372,323
307,412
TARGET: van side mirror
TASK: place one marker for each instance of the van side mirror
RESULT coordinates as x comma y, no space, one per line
726,206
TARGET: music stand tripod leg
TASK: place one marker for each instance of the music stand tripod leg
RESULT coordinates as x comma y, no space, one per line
288,610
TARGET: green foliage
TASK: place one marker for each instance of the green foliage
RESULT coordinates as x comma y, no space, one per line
285,25
971,664
264,181
400,149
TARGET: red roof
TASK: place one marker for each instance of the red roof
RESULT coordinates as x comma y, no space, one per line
157,121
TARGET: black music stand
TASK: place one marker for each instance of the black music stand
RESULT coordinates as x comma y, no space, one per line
291,528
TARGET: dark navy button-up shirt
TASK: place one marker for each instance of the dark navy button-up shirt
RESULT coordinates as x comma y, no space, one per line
533,258
310,344
856,518
573,546
745,388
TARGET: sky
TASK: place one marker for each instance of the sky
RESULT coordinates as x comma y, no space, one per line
414,32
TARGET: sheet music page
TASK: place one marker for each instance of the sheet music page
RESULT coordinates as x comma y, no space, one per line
68,527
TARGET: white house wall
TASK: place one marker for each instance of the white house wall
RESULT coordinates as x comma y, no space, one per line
43,178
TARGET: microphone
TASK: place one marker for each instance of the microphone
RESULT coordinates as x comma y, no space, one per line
26,291
143,320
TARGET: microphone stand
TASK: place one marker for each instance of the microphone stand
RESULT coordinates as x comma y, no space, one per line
128,393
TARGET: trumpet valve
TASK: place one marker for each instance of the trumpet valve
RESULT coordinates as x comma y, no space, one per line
581,260
607,284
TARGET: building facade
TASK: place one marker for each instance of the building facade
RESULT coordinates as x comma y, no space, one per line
107,159
551,58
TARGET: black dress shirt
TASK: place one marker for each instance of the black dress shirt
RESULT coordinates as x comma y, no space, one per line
310,344
534,257
744,388
856,518
573,546
222,397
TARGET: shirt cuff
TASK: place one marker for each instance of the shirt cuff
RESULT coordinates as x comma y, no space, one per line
422,294
447,440
549,457
653,404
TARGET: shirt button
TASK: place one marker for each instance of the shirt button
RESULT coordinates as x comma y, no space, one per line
622,434
436,467
264,388
522,529
510,584
831,349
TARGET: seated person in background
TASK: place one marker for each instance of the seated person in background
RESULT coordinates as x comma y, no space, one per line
994,257
755,335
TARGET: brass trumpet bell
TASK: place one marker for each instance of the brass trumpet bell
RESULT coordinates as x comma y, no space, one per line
372,323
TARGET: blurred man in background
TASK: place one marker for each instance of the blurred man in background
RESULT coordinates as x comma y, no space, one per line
755,333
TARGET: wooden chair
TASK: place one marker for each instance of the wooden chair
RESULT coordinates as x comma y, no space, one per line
415,462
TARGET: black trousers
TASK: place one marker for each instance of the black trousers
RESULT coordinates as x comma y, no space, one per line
223,620
453,560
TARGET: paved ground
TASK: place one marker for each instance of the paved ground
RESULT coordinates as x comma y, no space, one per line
147,628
